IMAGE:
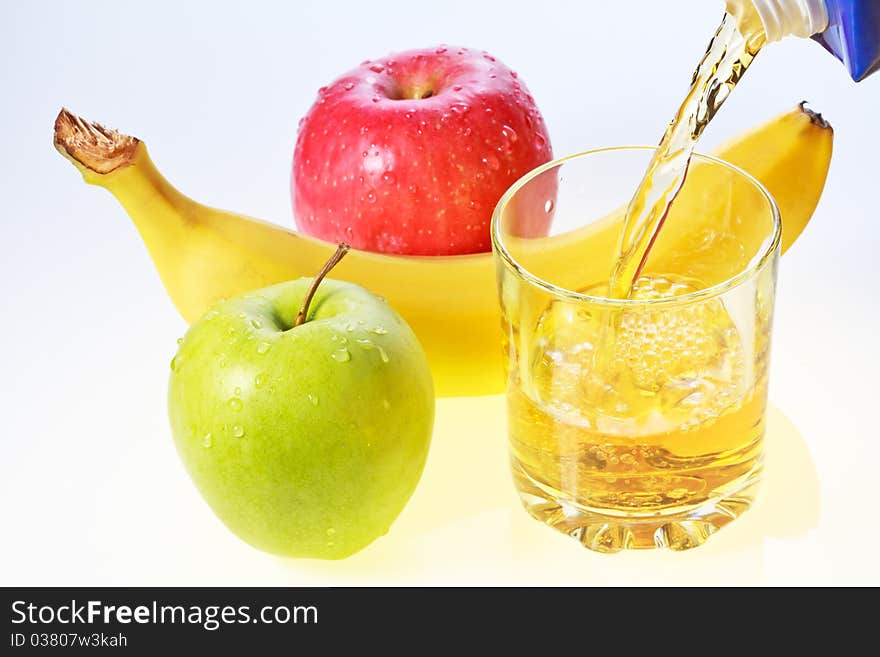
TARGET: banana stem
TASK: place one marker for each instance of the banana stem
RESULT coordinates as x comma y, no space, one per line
338,255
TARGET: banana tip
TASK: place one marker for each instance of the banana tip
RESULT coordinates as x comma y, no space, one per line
814,116
91,144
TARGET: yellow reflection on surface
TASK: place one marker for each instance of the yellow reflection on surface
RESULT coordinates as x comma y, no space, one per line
464,524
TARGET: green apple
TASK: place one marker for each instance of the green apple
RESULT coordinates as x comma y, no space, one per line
308,440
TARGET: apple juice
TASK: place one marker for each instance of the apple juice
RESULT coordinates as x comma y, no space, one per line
675,417
641,426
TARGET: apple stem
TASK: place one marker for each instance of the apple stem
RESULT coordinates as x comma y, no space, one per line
340,252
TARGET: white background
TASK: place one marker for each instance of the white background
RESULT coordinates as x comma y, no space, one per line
91,490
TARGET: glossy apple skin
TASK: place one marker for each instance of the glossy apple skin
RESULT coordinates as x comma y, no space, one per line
389,172
306,441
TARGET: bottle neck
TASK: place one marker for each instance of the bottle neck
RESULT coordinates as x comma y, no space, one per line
781,18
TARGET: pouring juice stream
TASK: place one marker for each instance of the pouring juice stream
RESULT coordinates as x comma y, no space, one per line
737,41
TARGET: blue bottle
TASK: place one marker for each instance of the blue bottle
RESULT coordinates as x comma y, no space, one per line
849,29
853,35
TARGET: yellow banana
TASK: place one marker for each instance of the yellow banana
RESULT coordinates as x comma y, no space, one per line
203,254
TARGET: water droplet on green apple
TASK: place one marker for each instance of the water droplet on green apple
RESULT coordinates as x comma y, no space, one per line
191,432
260,380
235,404
330,531
208,440
386,404
237,392
257,324
365,344
211,315
263,347
223,360
313,398
237,430
175,363
379,330
382,354
179,340
230,331
341,355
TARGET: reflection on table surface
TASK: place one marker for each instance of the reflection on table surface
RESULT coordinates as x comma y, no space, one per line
465,525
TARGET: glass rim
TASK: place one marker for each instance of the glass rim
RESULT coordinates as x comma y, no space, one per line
755,264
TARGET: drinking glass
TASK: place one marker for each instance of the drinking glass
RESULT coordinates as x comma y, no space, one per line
637,422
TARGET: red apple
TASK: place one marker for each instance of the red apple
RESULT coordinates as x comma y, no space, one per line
409,154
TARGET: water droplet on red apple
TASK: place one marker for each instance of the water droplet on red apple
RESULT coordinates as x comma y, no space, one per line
441,50
376,68
548,206
492,162
509,133
540,141
388,177
460,108
488,57
457,87
348,86
371,196
375,99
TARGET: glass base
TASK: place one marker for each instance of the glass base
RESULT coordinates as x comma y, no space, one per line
601,530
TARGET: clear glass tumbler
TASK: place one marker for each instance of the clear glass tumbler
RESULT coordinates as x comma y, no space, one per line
638,422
